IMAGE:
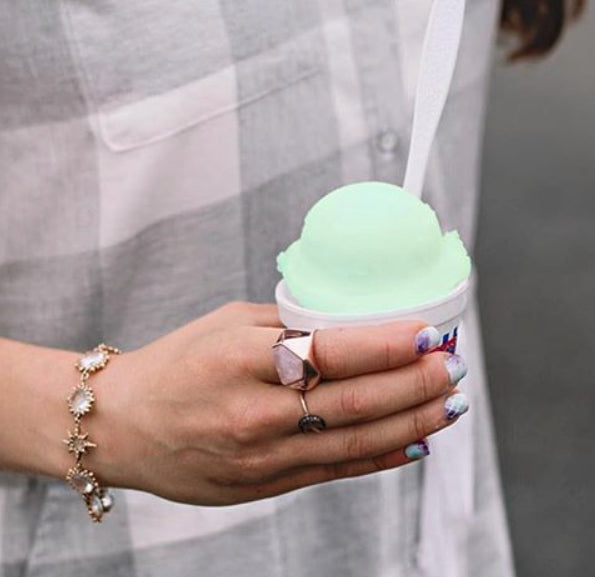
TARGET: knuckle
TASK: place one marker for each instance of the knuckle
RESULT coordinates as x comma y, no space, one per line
238,310
354,446
334,471
330,356
423,382
248,467
225,478
358,468
381,463
418,425
352,403
229,310
234,351
234,306
251,421
237,434
390,355
341,470
265,419
242,428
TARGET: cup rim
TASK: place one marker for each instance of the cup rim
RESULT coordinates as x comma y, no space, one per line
286,299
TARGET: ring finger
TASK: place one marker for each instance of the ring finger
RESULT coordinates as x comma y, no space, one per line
371,439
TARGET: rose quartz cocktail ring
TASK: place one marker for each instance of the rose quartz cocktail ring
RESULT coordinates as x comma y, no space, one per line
294,359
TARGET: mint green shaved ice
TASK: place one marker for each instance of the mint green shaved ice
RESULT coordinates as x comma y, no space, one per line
371,247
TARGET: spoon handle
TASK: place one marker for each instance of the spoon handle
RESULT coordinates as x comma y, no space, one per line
441,45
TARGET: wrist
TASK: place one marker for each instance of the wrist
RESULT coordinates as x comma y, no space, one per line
35,384
107,423
54,422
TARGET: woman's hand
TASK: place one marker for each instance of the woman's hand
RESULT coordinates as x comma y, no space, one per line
197,416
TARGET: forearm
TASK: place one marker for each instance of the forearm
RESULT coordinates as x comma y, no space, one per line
34,418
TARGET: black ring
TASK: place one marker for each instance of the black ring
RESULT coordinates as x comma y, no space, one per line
311,423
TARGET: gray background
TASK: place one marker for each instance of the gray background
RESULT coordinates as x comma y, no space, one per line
536,258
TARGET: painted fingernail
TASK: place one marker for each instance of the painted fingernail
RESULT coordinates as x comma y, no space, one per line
455,406
456,368
417,450
426,340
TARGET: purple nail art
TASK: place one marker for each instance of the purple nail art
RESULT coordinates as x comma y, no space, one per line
455,406
456,368
426,340
417,450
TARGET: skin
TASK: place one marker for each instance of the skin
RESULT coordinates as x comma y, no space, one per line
197,416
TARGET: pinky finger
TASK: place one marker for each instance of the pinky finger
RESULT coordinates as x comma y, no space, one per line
316,474
392,460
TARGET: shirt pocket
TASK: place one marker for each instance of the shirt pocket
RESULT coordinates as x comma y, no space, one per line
172,94
158,117
151,73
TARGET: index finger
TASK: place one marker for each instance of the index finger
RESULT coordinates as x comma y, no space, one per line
341,353
347,352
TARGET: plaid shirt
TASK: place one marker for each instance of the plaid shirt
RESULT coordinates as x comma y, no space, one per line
154,158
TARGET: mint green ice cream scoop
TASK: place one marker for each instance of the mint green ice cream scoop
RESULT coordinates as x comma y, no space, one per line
370,247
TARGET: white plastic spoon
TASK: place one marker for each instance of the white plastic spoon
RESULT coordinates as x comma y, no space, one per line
441,46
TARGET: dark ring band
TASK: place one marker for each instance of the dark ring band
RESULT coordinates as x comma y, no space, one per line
310,422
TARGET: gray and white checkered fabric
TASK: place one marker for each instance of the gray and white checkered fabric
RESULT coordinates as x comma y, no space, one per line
154,158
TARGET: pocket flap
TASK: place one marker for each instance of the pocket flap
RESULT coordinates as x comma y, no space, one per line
155,118
158,117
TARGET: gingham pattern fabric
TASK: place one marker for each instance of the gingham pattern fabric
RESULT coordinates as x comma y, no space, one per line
154,158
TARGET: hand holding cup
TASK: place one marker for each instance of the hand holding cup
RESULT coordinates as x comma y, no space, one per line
198,415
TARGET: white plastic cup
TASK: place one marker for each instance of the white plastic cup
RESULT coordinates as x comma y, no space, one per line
444,314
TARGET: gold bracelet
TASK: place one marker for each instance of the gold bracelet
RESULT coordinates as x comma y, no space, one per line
98,500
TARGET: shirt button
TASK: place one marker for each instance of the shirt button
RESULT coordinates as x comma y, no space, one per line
387,141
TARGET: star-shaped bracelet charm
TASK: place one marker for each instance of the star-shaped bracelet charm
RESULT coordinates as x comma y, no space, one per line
78,443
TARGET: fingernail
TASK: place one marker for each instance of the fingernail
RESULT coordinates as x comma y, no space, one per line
417,450
426,340
455,406
456,368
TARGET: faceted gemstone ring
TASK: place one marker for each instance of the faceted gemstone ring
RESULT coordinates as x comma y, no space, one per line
294,359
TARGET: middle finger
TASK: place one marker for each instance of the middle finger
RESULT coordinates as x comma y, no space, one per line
369,397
